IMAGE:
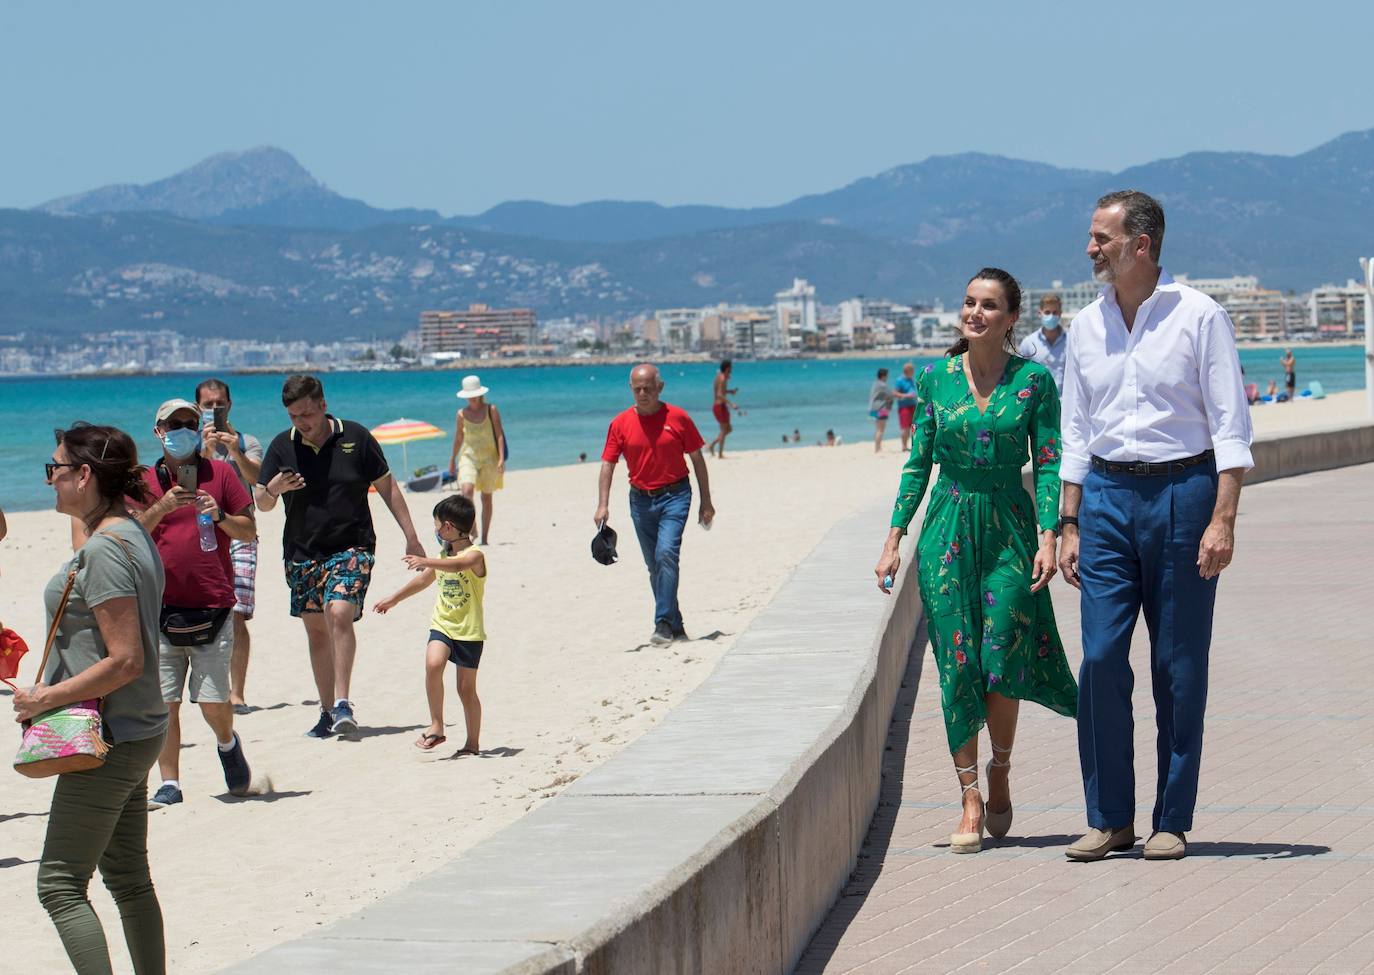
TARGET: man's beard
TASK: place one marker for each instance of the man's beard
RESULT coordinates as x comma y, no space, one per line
1110,272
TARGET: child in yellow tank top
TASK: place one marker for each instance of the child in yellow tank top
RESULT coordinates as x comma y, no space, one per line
457,630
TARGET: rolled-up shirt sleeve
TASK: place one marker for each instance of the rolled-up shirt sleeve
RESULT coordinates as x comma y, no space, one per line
1074,463
1223,393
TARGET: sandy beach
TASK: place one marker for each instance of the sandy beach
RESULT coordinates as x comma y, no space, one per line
568,678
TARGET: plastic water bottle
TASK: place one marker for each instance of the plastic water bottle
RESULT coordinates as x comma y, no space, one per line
206,526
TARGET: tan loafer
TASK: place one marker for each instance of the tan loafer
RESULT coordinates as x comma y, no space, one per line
1166,846
1097,843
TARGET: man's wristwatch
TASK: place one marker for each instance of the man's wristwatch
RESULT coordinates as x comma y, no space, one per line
1066,520
218,516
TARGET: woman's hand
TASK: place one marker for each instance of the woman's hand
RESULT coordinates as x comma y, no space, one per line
886,570
30,702
1045,564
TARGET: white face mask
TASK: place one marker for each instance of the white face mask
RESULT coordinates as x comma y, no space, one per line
1048,320
181,442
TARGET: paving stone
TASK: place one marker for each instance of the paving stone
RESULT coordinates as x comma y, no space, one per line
1280,876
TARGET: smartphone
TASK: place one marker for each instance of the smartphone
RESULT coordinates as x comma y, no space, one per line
288,471
187,475
221,419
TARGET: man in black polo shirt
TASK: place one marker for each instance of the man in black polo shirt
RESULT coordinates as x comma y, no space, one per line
322,468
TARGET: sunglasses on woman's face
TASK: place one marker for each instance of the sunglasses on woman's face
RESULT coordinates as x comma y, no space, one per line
175,424
51,467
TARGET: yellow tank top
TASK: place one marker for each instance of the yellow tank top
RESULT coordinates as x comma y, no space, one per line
458,606
479,439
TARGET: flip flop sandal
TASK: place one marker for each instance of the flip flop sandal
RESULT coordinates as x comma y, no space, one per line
465,751
429,742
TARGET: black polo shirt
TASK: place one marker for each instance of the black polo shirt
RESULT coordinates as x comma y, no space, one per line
330,514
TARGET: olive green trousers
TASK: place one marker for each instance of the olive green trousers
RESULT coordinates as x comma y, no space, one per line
99,818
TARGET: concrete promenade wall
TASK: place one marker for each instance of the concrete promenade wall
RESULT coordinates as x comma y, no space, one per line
718,841
715,843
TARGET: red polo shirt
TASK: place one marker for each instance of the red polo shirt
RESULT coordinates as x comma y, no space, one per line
654,446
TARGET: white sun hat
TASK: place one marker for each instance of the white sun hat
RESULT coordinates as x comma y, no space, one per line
472,386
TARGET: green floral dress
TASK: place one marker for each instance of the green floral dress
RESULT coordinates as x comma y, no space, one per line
988,631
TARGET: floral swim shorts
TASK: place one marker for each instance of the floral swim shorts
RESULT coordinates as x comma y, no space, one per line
342,576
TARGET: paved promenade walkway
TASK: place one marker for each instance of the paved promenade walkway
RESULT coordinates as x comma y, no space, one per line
1280,872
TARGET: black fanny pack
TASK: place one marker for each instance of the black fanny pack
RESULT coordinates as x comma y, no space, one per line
192,627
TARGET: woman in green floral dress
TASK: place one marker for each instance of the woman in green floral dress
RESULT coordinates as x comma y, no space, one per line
982,571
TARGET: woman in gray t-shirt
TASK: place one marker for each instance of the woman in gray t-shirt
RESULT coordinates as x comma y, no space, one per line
105,647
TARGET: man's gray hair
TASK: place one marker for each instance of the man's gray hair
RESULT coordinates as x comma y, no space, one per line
1141,214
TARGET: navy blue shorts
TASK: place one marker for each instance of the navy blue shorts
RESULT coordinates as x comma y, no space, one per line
464,653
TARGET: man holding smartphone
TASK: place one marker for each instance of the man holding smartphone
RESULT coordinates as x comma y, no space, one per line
242,452
196,640
322,467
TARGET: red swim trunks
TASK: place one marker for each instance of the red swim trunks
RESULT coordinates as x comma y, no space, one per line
721,412
906,416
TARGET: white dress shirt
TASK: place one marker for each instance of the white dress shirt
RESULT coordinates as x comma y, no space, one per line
1037,348
1168,388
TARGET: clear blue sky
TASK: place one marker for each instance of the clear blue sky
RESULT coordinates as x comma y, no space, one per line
461,104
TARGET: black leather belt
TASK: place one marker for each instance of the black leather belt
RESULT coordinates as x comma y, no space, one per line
666,489
1143,468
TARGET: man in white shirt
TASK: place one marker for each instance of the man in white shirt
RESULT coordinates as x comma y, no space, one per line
1156,440
1048,345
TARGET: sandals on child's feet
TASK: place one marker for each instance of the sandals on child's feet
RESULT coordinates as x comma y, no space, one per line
428,742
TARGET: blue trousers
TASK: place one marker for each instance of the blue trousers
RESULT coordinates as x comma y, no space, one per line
659,523
1138,550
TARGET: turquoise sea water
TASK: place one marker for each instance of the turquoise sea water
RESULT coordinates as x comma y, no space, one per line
551,413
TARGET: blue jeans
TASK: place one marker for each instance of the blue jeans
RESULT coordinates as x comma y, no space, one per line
659,523
1138,550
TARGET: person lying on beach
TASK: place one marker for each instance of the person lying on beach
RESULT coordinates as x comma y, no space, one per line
457,632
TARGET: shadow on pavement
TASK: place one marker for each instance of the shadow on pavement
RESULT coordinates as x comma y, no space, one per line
1261,851
875,846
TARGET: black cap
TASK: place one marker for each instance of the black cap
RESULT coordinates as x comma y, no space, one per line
603,545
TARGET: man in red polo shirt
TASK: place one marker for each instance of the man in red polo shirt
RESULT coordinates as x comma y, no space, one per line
655,437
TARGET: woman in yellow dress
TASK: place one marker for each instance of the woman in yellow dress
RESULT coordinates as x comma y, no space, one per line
478,460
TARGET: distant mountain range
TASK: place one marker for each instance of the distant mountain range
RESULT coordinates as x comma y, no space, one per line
250,243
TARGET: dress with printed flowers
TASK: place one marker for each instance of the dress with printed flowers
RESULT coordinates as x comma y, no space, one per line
988,631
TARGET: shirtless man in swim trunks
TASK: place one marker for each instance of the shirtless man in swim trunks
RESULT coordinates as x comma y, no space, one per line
721,407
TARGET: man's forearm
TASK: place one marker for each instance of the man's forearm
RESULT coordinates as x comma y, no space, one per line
703,479
263,497
1070,497
150,517
603,484
240,527
396,501
1228,495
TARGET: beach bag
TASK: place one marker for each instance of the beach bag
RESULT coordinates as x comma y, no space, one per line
65,739
502,444
184,627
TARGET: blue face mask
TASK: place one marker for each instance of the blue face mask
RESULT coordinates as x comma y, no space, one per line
1049,321
441,540
181,443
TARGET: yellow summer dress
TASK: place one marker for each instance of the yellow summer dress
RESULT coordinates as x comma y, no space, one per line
477,461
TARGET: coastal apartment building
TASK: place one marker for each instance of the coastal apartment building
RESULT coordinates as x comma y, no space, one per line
794,316
1337,310
478,332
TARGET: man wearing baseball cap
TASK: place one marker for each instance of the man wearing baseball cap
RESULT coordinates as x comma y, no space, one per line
196,638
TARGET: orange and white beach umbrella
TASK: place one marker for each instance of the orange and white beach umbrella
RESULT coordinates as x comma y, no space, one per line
404,431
